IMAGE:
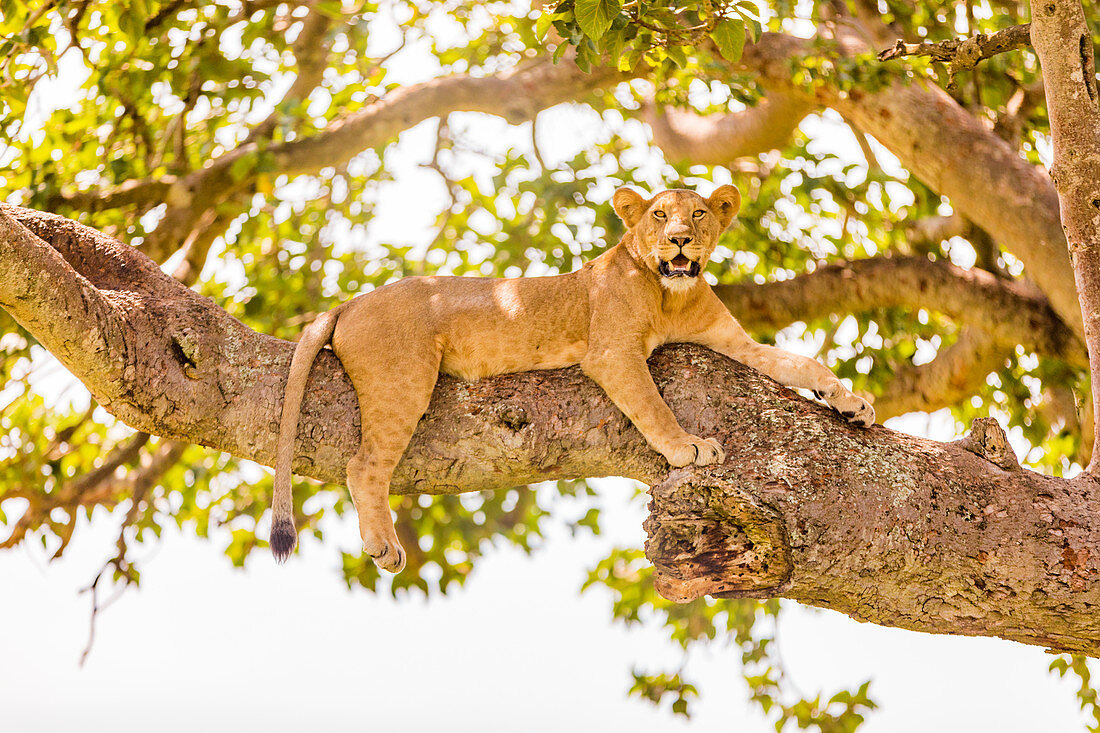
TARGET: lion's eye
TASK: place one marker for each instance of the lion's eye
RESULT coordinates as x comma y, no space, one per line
659,214
699,214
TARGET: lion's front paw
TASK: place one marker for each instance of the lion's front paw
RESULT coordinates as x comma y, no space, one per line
853,408
386,552
700,451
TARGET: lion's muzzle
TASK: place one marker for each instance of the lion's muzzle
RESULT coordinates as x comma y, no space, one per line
678,266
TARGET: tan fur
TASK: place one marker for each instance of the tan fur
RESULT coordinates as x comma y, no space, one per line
607,316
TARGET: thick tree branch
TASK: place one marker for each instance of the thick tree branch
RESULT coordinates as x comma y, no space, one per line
887,528
930,231
716,140
143,192
1008,311
1063,43
516,95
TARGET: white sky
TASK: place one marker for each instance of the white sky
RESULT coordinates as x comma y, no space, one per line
201,646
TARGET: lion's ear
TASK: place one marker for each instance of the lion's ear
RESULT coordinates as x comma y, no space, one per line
629,205
725,202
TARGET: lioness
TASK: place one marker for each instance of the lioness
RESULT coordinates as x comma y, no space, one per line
607,316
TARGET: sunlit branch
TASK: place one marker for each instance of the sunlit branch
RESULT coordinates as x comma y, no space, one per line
947,148
1064,43
719,139
964,53
954,375
1008,311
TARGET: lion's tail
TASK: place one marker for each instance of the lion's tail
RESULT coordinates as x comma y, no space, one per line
284,536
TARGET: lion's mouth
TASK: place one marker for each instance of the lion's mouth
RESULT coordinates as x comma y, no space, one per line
678,266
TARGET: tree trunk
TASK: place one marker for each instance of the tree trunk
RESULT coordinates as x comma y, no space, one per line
1064,45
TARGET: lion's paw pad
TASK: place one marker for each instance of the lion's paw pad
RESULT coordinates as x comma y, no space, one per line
387,554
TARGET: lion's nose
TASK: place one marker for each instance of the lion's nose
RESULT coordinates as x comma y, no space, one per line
681,241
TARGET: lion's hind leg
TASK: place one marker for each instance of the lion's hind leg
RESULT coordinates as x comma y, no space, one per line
394,388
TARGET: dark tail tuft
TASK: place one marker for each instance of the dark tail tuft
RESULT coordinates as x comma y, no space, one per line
283,539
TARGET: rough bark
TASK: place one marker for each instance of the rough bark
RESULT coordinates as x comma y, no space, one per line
948,538
1064,45
886,528
971,50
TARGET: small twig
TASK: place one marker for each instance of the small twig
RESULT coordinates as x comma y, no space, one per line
535,143
161,15
441,134
865,148
963,54
120,562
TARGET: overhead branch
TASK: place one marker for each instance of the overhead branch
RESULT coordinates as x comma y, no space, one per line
1008,311
144,192
948,149
918,534
877,26
1064,44
517,95
719,139
956,373
932,230
311,53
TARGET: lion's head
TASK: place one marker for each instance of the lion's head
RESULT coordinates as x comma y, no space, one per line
676,230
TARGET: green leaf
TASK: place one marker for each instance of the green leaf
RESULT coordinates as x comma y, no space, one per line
632,55
729,35
678,55
613,45
542,25
586,55
595,16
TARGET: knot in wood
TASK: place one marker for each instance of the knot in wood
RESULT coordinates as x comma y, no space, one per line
706,536
969,52
514,416
988,439
185,348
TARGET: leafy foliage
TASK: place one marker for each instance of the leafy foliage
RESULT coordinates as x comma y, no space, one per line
661,34
1077,665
